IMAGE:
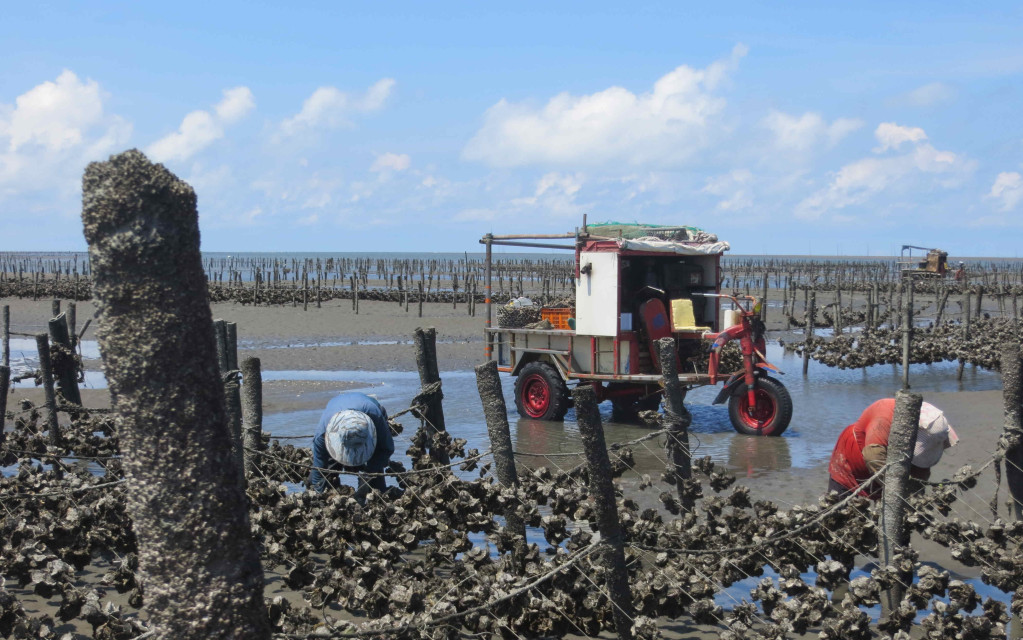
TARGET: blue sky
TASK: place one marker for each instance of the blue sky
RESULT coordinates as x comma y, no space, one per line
789,129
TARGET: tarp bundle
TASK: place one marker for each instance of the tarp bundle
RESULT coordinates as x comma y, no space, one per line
636,230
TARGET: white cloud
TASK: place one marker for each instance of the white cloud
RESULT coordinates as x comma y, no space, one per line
1007,190
475,215
921,168
733,187
237,103
666,125
808,130
925,96
199,129
329,108
51,131
892,136
391,162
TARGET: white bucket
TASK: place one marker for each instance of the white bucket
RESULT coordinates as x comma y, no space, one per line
732,318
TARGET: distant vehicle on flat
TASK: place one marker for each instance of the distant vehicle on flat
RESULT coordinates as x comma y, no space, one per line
933,264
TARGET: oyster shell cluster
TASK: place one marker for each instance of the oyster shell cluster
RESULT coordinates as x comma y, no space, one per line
431,557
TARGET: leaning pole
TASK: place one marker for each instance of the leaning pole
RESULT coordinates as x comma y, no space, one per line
199,563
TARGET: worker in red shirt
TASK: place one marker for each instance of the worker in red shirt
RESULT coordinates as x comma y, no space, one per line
862,448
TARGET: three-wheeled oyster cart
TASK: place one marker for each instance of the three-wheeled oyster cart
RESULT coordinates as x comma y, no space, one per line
636,284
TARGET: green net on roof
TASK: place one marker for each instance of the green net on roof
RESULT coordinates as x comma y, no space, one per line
633,230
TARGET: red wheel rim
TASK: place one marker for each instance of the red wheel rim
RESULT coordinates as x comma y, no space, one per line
760,416
536,395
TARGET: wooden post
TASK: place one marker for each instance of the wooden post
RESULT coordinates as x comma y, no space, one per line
5,382
232,393
677,420
488,338
64,367
811,310
252,411
420,298
426,360
7,335
966,332
54,308
488,381
50,406
1012,435
907,335
198,559
606,508
72,323
901,441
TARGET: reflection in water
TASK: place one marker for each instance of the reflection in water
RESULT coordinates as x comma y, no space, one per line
751,455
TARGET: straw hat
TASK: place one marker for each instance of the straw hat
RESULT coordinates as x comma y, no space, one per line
933,436
351,437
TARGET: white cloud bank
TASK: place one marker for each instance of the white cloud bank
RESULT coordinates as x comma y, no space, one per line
330,108
666,125
920,168
391,162
200,129
50,133
808,130
1007,190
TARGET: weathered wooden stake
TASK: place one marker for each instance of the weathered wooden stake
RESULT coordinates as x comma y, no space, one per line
1012,434
606,508
966,332
7,335
232,392
420,298
426,359
54,308
907,336
488,381
901,441
64,367
5,382
252,411
811,310
677,420
198,559
50,406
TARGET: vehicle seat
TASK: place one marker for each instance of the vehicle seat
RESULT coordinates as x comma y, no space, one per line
656,325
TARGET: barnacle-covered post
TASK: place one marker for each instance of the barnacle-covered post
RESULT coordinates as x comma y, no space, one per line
678,420
46,370
200,565
7,335
426,360
488,381
808,315
907,333
252,411
64,367
232,392
966,332
5,382
606,508
1011,441
901,440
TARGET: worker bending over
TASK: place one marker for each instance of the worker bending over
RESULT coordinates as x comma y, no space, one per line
353,435
862,448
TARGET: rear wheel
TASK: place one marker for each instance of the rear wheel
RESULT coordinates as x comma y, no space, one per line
540,393
770,416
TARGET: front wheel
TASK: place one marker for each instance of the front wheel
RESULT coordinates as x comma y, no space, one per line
770,416
540,393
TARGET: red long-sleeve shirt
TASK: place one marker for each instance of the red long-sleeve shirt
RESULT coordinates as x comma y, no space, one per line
848,466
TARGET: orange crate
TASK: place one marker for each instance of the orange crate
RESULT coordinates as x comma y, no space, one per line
558,316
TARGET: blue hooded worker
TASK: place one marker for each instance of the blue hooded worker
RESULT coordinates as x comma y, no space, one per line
353,435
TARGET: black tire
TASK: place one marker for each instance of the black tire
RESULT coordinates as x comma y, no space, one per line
540,393
773,411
